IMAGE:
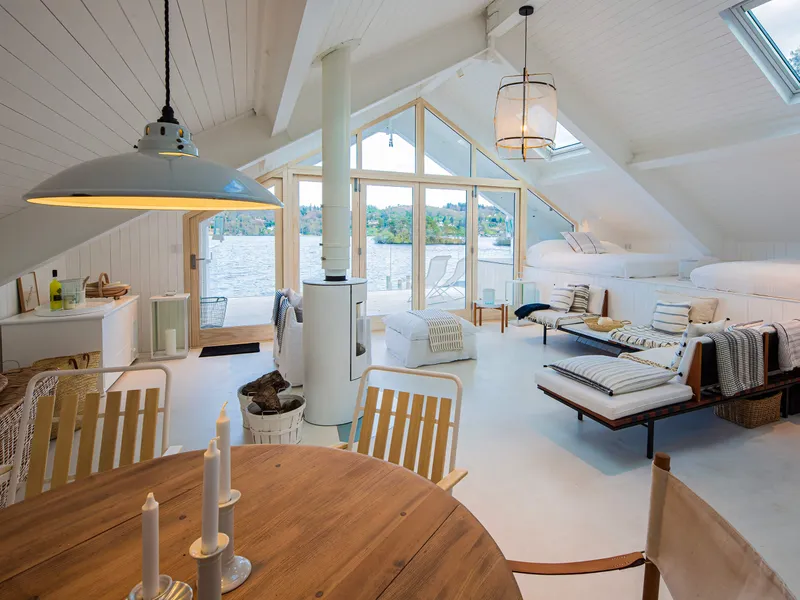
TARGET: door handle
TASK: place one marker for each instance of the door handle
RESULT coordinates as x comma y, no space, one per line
193,261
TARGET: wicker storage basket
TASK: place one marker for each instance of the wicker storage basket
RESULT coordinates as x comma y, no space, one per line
751,412
591,323
285,428
77,384
103,288
11,400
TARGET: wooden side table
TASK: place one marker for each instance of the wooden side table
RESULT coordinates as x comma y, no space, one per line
477,313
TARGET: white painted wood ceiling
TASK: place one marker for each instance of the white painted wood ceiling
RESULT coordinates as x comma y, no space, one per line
662,70
79,79
382,24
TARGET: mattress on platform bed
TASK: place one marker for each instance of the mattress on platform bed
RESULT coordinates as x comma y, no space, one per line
416,353
613,407
779,278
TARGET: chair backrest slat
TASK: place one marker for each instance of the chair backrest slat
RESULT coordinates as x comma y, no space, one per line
426,445
410,458
149,424
108,444
366,422
130,424
40,446
67,417
382,435
442,431
91,409
398,431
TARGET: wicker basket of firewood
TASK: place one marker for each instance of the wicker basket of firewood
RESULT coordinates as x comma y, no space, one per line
104,288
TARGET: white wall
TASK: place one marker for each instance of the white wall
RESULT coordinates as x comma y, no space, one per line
146,252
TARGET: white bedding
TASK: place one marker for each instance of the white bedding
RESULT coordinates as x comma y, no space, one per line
779,278
556,255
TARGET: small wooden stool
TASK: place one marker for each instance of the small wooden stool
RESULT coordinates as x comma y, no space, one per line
477,313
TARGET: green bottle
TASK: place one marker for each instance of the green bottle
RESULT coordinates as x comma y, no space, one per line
55,292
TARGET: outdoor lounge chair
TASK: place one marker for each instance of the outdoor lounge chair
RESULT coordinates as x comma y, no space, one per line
458,276
688,544
437,267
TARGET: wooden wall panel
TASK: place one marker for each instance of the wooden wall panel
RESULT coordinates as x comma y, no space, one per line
146,253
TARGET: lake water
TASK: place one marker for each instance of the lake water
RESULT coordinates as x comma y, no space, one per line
244,266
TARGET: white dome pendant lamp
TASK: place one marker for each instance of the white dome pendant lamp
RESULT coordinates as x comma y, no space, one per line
526,111
163,174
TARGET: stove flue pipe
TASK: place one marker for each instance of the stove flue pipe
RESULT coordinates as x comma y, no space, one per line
336,163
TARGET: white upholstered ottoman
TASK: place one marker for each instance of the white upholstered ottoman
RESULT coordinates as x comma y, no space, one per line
407,340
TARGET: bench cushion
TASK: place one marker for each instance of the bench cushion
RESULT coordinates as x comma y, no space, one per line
554,318
613,407
413,328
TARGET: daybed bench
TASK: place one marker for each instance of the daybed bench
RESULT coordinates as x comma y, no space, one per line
554,319
694,388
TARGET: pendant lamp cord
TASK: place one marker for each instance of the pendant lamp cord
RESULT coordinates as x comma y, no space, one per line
167,114
525,58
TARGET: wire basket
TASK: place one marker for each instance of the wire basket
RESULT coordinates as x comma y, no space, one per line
212,311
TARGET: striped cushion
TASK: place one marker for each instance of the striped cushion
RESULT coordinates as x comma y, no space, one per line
672,317
612,376
581,301
561,299
584,242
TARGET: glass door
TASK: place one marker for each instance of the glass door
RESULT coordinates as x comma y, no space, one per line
235,266
496,209
446,259
386,250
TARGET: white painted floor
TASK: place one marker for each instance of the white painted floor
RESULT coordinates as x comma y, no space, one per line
546,486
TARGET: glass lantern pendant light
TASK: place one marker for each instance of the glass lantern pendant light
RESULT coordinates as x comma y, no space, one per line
164,173
526,111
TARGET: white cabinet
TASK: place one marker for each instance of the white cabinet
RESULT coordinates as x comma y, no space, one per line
114,333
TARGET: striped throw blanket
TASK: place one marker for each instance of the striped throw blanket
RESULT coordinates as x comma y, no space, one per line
740,360
444,330
644,335
280,320
611,375
788,344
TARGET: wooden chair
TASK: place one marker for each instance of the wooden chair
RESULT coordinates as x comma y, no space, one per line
697,552
86,438
424,436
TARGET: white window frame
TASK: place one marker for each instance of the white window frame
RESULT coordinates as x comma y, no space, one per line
762,49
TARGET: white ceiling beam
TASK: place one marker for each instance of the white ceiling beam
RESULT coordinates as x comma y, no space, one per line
715,144
394,73
291,35
598,132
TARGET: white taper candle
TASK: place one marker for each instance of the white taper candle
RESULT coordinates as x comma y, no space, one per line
224,437
210,525
150,548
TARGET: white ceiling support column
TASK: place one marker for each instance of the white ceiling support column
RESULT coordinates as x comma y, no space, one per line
598,132
35,235
336,163
374,79
293,32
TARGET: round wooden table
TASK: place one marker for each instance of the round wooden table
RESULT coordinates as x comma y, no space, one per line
314,522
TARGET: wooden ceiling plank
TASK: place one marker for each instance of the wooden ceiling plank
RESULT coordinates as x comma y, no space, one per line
150,35
30,176
11,98
79,22
26,144
20,157
14,121
217,19
192,40
67,58
237,32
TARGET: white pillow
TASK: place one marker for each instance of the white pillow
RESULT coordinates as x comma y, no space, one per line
612,248
672,317
702,309
561,299
584,242
597,296
692,331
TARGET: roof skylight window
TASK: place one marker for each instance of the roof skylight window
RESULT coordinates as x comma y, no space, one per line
564,140
770,32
